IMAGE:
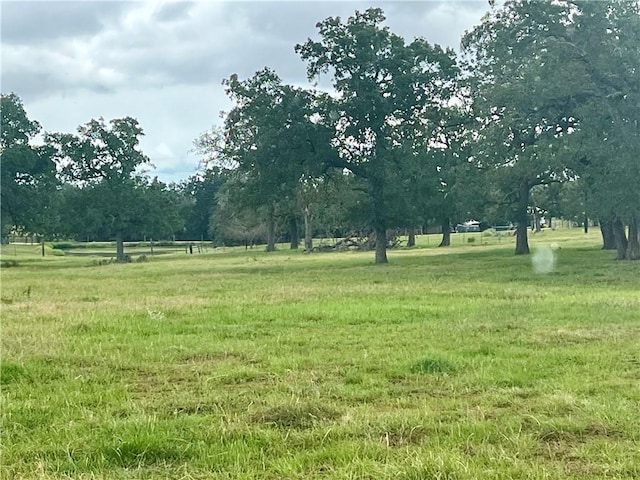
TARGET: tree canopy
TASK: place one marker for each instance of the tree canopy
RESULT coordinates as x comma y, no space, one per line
549,78
538,116
112,196
389,94
27,172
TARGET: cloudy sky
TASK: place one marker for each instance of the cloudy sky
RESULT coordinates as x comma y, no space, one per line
162,62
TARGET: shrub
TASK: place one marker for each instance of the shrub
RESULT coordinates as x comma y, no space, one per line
100,262
8,263
63,245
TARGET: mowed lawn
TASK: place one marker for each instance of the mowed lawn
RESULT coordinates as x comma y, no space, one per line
457,363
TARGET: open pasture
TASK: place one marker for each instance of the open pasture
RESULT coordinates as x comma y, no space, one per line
447,364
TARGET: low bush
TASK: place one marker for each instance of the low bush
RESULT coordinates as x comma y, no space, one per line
63,245
101,261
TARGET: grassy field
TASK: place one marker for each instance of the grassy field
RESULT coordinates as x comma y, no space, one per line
445,364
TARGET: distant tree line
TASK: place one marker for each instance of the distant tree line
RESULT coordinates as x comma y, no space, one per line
537,116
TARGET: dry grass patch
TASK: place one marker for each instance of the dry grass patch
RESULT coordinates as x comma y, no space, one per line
298,415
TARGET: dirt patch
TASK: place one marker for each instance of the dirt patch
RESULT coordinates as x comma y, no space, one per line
566,337
195,409
299,416
562,444
213,358
578,434
159,383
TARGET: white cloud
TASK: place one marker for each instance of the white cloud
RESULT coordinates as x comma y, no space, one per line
163,62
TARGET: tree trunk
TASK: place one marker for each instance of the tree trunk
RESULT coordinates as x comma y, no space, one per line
120,258
308,232
379,221
621,239
271,234
585,221
537,222
522,218
381,245
293,233
411,241
608,235
446,233
633,245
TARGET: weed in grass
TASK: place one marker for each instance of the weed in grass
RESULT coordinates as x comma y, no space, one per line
195,409
12,372
432,365
404,435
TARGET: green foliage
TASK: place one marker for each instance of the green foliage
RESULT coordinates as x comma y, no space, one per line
198,195
106,195
540,116
27,174
232,223
557,89
65,245
387,110
432,365
522,106
100,153
271,143
12,372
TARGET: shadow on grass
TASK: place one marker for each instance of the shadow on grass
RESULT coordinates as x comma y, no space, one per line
296,416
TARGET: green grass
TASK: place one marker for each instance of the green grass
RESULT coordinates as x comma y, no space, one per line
446,364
